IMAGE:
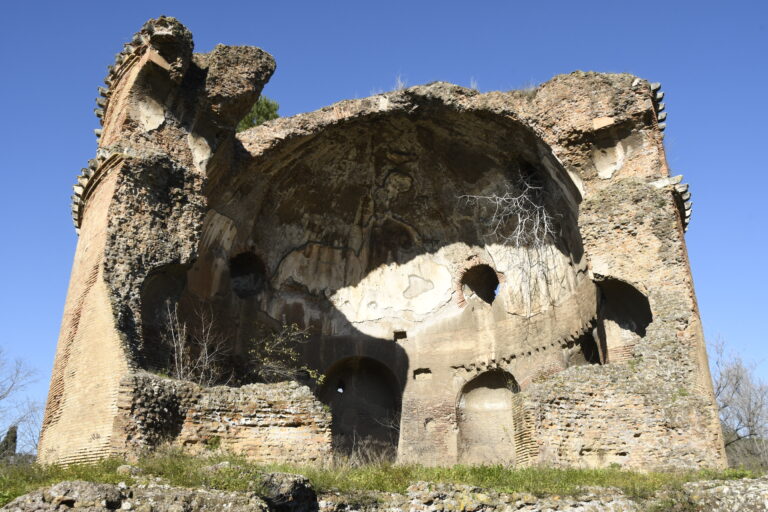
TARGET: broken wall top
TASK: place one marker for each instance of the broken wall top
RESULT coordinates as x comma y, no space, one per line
205,95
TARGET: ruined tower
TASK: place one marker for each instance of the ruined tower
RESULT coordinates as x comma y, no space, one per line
486,278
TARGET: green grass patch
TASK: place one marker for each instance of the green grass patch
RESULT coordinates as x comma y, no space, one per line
538,481
19,479
181,470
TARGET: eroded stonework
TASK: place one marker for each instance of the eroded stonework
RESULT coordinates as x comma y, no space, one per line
278,423
486,278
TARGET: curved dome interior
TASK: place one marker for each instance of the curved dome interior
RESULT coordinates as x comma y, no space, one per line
371,222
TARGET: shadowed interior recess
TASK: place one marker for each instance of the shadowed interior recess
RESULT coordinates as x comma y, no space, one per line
364,399
247,274
482,281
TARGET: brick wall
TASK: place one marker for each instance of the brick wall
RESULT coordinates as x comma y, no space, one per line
280,422
90,359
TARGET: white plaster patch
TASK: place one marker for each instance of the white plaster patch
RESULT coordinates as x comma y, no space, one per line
430,284
600,265
218,230
219,233
393,296
534,280
151,114
201,151
609,160
552,164
416,286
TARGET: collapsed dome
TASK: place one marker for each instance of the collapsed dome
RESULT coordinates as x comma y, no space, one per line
374,195
359,223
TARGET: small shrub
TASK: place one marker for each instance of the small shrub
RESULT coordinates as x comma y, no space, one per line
213,443
273,355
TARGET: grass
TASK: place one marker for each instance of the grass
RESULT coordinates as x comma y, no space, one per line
538,481
182,470
18,479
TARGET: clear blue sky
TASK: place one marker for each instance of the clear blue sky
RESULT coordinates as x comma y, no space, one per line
711,57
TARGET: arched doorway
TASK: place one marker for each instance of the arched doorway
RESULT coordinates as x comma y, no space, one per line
364,397
489,413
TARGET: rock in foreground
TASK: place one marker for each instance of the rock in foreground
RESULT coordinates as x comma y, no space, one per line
89,496
746,495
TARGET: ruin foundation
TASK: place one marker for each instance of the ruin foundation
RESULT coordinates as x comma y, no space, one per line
485,278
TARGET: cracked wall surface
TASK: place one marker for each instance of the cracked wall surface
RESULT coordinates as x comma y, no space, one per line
448,330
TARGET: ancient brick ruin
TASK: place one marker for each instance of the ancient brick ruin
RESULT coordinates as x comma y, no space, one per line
486,278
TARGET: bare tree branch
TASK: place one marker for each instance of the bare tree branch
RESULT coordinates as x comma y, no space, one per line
522,219
198,351
15,408
519,217
30,422
14,377
742,399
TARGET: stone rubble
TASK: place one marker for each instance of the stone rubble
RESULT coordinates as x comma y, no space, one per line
285,492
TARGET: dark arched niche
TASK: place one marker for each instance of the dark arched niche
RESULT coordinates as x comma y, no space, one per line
480,281
364,397
490,418
585,350
624,304
160,295
247,275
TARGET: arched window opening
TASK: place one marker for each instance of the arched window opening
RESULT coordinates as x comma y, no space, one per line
625,305
247,274
480,281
